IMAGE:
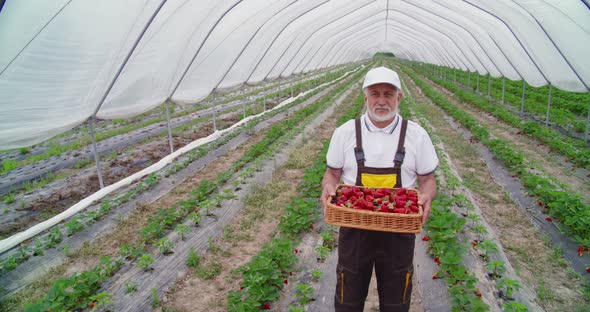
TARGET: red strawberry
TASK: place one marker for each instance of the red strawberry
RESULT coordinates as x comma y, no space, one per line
400,191
414,208
588,269
286,281
241,287
369,198
474,243
384,208
425,238
548,219
267,306
434,277
296,251
399,210
478,293
311,226
290,273
400,203
580,251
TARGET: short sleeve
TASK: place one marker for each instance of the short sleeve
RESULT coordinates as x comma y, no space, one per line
335,155
427,160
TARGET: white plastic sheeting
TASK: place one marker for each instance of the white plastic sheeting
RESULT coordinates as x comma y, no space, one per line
58,58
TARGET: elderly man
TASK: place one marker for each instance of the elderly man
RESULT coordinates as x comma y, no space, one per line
380,149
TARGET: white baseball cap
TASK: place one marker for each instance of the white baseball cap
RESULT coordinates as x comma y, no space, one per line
382,75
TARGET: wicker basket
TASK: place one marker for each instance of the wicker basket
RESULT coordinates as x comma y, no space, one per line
373,220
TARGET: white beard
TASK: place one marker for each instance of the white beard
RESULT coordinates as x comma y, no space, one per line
380,118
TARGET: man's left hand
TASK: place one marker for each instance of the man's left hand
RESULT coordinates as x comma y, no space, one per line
425,201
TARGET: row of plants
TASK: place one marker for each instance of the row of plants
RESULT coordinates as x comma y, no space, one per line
78,223
266,274
575,150
56,149
559,204
569,105
152,235
444,223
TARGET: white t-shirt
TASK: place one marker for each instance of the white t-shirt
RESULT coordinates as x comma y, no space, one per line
380,146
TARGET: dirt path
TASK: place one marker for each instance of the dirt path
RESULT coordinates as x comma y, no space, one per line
538,264
535,152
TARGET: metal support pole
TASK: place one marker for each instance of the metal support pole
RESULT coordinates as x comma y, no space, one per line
169,127
522,103
291,90
489,84
477,85
214,114
264,102
503,88
548,105
469,80
454,76
588,124
94,150
243,103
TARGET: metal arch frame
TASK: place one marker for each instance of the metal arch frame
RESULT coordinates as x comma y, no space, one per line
448,59
277,36
250,40
359,32
428,45
35,36
462,60
422,45
332,48
285,51
466,30
513,34
493,40
556,47
344,54
352,23
458,47
320,28
201,46
340,31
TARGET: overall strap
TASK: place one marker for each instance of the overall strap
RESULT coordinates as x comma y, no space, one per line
359,154
401,150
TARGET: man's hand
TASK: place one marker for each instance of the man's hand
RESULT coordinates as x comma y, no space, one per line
425,201
427,188
331,179
328,190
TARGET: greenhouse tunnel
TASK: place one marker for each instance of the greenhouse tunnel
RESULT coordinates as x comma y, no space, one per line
70,71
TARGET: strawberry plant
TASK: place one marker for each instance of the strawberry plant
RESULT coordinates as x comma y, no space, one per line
181,230
509,286
193,259
496,268
304,294
130,287
513,306
316,275
145,262
74,226
164,246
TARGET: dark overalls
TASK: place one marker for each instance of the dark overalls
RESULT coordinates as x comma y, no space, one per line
391,254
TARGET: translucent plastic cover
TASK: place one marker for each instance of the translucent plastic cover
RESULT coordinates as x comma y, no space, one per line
64,61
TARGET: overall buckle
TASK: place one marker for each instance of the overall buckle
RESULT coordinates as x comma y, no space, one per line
359,154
